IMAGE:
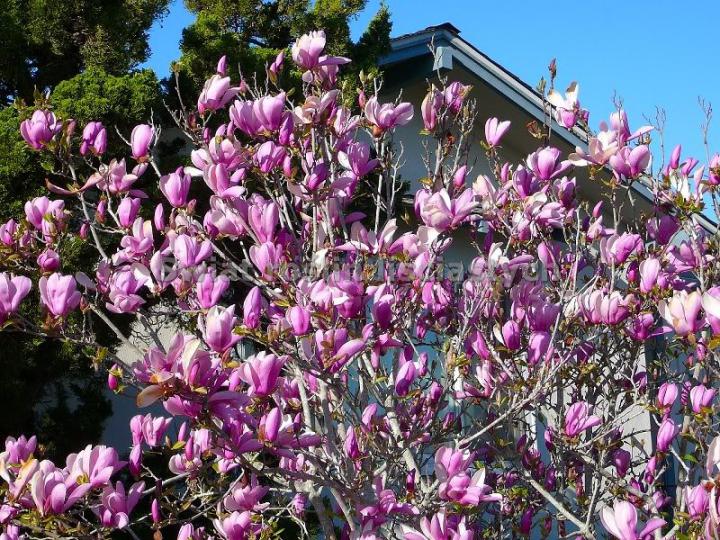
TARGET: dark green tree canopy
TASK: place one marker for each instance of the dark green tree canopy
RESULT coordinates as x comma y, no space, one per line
47,41
251,32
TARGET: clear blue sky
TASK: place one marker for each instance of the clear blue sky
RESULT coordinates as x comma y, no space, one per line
650,52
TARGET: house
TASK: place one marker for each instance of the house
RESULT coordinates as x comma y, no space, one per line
412,65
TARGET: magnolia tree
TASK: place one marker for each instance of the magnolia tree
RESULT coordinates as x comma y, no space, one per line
317,365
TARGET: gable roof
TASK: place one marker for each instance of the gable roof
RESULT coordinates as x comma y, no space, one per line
450,49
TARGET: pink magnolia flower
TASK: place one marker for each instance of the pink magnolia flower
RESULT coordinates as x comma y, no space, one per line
567,108
116,505
94,139
629,163
190,532
210,288
217,328
269,156
697,500
59,294
621,522
599,307
701,397
13,289
545,165
40,128
579,419
441,212
307,54
115,178
616,249
621,459
667,395
263,219
261,372
148,428
216,93
713,456
711,305
175,186
253,308
128,210
299,319
277,64
268,111
307,49
222,65
454,95
94,464
246,498
666,434
189,252
495,130
356,158
430,108
140,140
456,484
48,260
681,311
266,257
41,209
8,231
438,528
405,377
236,526
387,115
51,492
649,272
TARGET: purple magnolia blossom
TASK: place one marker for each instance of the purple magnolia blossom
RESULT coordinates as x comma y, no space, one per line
697,500
667,432
621,522
41,210
261,372
40,128
299,319
701,397
210,288
578,418
48,260
175,187
149,429
216,93
494,130
451,469
667,395
117,504
430,108
140,140
13,289
387,115
128,210
52,492
94,464
439,527
682,312
246,498
442,212
94,139
217,328
59,294
545,164
307,54
236,526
